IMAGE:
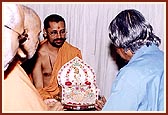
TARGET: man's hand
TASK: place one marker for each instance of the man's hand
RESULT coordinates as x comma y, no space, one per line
54,105
100,103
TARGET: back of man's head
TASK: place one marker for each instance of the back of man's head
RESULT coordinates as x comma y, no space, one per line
130,30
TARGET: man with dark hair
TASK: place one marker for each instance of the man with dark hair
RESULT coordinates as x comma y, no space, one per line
139,85
53,53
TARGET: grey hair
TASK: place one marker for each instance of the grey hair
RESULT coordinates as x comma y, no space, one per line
130,30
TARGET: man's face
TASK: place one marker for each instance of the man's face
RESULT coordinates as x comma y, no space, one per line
56,34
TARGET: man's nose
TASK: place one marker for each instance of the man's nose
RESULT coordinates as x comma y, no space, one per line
59,35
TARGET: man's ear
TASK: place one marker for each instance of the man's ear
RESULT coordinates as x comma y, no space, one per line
25,31
129,54
21,53
44,33
125,54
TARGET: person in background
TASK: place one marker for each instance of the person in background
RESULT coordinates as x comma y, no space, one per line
139,85
53,53
19,93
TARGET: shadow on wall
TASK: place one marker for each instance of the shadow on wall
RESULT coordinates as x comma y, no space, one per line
116,57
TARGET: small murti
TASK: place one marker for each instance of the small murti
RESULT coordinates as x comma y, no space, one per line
78,82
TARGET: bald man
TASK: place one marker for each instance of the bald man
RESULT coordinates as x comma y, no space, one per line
32,27
19,92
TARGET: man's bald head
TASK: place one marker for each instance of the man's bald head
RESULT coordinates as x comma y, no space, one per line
32,26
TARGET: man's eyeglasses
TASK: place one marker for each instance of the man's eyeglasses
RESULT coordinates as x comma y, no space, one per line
55,33
22,37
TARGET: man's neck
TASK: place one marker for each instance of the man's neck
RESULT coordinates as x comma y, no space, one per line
52,48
